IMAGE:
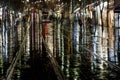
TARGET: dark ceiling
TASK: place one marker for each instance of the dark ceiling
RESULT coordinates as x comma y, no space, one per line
19,4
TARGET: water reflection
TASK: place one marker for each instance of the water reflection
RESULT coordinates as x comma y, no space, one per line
74,69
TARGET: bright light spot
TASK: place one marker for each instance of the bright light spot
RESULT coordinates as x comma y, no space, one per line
27,0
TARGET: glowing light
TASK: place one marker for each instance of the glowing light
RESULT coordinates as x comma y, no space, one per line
27,0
